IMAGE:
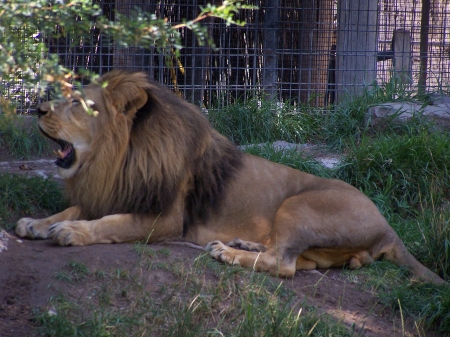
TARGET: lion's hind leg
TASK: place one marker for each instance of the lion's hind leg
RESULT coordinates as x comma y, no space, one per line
360,259
305,264
267,261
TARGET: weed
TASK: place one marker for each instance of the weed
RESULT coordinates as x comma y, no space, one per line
74,272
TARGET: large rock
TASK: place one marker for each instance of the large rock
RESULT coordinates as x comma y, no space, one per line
439,111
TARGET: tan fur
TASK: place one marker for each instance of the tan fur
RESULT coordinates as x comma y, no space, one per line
149,167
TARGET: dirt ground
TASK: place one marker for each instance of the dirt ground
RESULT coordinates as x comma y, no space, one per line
27,270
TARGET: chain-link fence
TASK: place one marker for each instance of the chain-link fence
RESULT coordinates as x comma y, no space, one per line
305,51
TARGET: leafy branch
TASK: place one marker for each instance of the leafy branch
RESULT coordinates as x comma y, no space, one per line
27,26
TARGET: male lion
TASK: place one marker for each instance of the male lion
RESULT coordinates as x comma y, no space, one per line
150,167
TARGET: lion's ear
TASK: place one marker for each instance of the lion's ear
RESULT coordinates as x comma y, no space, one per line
132,103
127,91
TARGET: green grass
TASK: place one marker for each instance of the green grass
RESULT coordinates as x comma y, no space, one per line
348,122
290,157
431,229
74,272
22,141
25,196
258,121
197,299
427,304
401,171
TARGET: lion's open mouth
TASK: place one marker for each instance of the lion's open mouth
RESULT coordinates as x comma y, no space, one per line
66,155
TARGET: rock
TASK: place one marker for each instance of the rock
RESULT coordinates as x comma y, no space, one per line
403,111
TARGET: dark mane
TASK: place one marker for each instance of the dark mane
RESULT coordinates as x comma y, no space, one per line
212,173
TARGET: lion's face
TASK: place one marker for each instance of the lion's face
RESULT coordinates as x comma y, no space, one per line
116,96
68,124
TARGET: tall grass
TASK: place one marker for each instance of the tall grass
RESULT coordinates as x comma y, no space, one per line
290,157
400,172
20,196
22,141
258,121
349,121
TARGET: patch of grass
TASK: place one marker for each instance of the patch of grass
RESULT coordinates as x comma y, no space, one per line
197,299
20,196
22,141
347,123
73,272
426,303
258,121
290,157
433,247
398,171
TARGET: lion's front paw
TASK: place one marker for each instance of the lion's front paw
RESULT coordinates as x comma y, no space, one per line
70,233
247,245
221,252
32,228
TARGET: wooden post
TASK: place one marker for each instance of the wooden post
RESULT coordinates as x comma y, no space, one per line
270,44
357,44
424,32
401,44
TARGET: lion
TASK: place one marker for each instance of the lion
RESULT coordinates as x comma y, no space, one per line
149,167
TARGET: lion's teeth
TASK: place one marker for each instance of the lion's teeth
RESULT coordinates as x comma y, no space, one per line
59,153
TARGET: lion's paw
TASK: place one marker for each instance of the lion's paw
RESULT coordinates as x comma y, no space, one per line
70,233
247,245
221,252
32,228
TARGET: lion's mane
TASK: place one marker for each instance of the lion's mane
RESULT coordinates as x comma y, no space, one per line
145,155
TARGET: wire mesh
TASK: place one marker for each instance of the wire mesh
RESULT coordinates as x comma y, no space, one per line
304,51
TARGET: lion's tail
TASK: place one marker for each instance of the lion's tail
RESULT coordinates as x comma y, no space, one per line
399,255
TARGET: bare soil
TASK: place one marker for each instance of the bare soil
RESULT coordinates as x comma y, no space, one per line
27,282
